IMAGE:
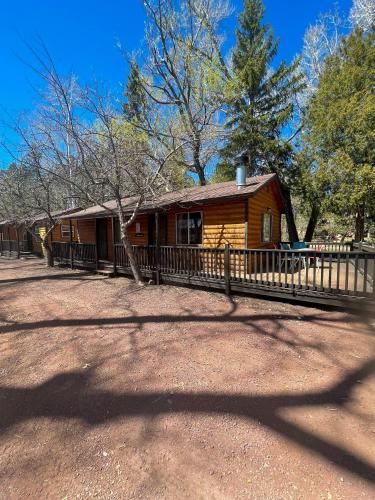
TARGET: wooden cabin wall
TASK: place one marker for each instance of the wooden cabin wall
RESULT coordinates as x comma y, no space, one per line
135,239
8,232
142,237
86,231
268,197
222,223
56,232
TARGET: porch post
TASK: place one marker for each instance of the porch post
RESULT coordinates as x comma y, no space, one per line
227,269
114,257
18,243
96,245
246,224
157,238
71,244
9,243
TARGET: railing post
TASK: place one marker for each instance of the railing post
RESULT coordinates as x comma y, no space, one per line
114,248
71,244
227,269
18,243
96,245
157,252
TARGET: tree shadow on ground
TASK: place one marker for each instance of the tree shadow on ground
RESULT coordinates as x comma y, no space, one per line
72,396
160,318
50,277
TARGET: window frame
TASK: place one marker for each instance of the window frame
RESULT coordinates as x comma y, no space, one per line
270,227
188,214
68,235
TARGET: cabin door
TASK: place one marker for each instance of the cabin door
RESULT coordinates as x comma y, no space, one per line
162,229
101,238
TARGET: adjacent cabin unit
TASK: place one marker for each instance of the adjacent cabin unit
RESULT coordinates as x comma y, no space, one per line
247,216
14,239
17,239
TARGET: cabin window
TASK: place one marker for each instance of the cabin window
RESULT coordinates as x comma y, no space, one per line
65,231
189,228
266,228
37,230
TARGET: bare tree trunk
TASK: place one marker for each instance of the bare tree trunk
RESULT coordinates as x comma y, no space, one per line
202,178
292,229
314,217
128,248
47,251
360,224
130,253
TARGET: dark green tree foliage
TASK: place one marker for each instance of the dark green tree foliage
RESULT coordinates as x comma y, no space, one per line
259,98
341,124
259,102
135,104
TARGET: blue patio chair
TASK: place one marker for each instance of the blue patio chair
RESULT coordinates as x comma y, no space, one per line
293,261
299,245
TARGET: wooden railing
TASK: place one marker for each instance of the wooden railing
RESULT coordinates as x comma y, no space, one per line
8,247
297,272
324,245
328,272
145,256
66,252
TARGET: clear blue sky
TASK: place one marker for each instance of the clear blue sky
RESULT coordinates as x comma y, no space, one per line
81,35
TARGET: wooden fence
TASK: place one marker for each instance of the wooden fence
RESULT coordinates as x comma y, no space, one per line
9,248
313,275
327,245
75,253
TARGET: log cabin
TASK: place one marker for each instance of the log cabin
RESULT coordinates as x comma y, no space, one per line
245,213
16,239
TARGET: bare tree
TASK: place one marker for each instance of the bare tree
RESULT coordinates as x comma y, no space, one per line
320,41
182,73
107,158
362,14
30,195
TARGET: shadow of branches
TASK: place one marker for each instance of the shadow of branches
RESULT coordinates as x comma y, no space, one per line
72,396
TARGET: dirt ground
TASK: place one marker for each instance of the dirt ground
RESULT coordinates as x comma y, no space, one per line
109,390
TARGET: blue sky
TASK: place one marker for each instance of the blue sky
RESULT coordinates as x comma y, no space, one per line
82,34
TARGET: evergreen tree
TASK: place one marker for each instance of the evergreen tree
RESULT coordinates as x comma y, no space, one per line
341,124
259,104
135,106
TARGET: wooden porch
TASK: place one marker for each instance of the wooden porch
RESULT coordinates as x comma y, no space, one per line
330,277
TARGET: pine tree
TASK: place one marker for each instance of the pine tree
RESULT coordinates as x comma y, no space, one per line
341,124
135,106
259,103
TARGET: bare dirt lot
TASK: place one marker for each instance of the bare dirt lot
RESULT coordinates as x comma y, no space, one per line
109,390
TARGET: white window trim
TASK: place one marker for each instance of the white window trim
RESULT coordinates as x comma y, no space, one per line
67,231
191,212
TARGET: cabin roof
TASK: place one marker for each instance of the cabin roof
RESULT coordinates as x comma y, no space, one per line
184,197
59,213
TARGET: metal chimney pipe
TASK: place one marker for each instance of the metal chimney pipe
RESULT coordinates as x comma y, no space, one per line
241,176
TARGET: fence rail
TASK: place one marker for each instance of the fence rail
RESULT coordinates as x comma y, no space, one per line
8,247
328,272
74,252
308,272
324,245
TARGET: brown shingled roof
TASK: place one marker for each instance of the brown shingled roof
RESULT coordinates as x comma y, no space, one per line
187,196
